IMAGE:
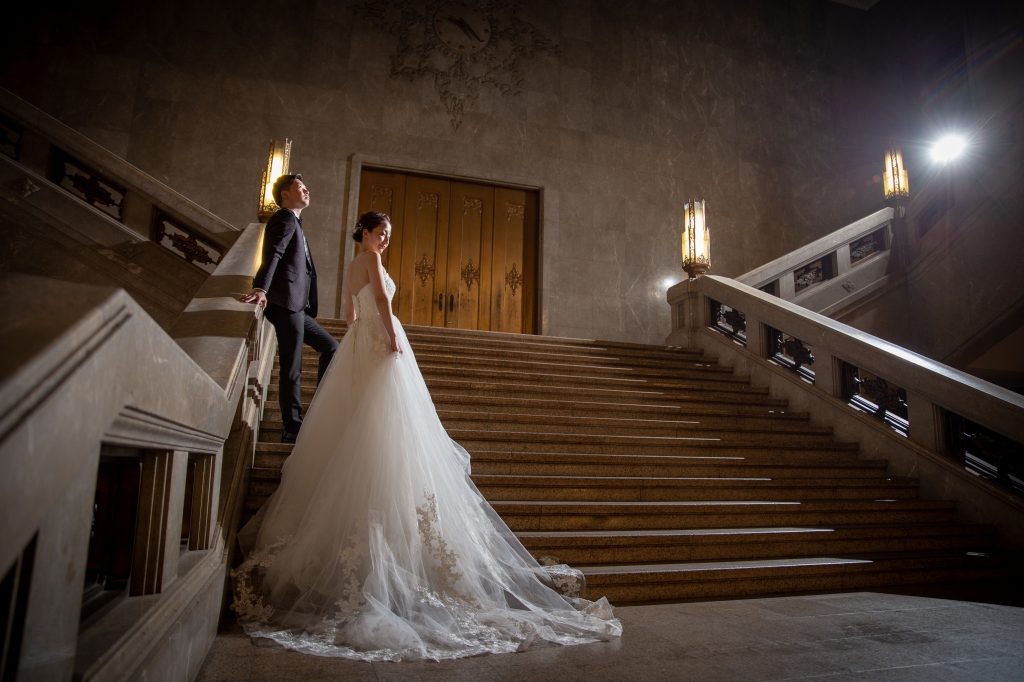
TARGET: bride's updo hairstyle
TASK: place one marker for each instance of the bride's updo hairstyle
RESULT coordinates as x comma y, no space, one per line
370,220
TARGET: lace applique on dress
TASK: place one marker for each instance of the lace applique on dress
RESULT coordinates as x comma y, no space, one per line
447,560
248,603
366,309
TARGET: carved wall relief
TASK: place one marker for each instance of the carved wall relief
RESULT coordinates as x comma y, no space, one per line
462,46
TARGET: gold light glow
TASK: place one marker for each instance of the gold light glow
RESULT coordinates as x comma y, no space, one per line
277,165
895,181
696,239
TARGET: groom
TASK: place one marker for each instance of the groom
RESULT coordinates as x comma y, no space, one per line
285,285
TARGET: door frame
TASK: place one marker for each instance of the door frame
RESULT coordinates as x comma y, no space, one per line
358,162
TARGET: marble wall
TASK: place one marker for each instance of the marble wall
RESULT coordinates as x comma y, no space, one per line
617,110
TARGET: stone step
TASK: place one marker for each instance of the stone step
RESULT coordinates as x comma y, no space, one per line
637,445
714,579
426,353
723,544
574,516
648,396
500,487
764,436
703,413
785,465
435,376
465,338
576,366
682,449
692,382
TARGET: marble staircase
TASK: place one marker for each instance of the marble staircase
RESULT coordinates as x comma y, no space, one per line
663,475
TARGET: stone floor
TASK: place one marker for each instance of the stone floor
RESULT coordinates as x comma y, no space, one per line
851,636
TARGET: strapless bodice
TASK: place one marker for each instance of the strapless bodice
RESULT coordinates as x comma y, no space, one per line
365,305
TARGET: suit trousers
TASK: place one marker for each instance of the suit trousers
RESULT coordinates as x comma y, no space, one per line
293,330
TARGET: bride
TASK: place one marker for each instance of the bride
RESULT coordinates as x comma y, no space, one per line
377,545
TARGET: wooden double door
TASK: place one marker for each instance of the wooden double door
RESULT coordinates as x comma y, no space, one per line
463,255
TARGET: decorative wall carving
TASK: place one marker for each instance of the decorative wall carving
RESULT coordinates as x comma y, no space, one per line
462,46
184,244
86,184
428,199
470,275
25,187
424,268
513,279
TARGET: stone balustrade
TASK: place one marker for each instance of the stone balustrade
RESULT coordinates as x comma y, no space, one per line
833,272
95,395
960,435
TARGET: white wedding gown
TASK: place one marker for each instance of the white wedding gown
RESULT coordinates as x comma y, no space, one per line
377,545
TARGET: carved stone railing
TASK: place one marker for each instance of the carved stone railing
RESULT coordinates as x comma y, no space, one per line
961,436
833,272
91,206
123,456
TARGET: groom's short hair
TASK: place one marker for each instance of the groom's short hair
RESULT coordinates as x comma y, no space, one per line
283,183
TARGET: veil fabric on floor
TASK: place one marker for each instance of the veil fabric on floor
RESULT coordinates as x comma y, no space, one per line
377,545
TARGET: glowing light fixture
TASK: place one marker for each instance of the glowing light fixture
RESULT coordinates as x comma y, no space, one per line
277,165
948,148
894,179
696,239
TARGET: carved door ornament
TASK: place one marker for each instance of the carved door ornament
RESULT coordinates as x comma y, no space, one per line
425,269
470,275
516,210
462,46
470,204
384,193
428,199
513,279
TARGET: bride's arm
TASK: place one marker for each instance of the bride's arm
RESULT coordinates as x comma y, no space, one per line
350,306
381,298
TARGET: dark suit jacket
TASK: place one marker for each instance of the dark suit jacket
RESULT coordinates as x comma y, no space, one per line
287,273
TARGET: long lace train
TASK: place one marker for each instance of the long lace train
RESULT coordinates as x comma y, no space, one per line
377,545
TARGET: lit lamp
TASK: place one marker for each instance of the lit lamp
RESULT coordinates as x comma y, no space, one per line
277,165
897,188
696,239
897,195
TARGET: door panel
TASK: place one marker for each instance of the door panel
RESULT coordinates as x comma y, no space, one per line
507,262
424,256
469,241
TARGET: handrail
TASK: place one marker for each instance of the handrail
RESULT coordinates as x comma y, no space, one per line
843,277
763,274
779,340
85,372
41,139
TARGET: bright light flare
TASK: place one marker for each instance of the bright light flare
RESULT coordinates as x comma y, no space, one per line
948,148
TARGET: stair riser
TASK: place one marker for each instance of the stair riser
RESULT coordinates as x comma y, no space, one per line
735,586
757,550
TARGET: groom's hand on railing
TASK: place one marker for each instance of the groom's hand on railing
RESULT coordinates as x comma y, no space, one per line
258,296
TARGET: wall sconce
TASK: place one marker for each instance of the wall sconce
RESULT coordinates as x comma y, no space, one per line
277,165
696,239
897,187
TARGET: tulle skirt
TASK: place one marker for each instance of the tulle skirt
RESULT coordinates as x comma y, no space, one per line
377,545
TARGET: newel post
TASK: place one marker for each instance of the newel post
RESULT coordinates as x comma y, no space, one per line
687,313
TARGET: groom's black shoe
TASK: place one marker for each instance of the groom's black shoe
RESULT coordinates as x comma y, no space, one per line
288,437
